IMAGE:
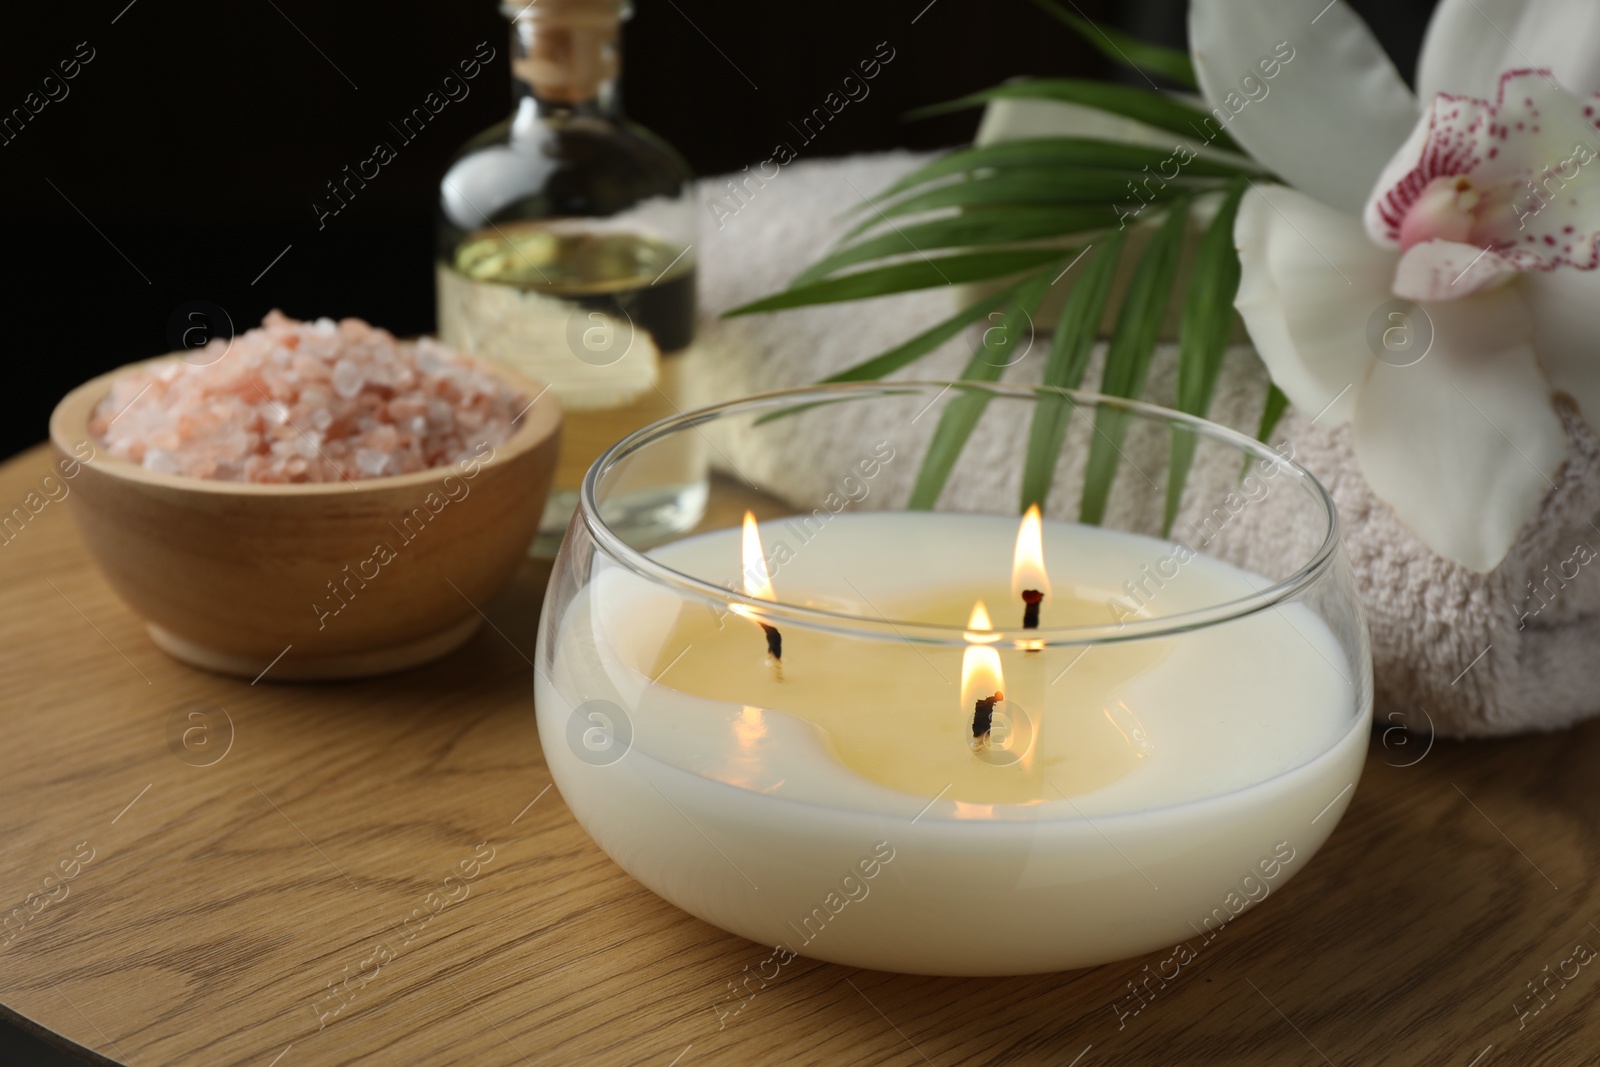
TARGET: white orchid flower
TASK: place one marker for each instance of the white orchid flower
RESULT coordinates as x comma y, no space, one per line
1471,215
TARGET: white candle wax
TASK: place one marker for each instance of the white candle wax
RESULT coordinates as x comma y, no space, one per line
1170,776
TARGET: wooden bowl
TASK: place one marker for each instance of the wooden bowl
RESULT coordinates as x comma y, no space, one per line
328,580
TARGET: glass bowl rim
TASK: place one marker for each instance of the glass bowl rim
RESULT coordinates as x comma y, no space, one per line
640,563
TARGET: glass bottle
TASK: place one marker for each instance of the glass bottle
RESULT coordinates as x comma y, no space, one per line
566,249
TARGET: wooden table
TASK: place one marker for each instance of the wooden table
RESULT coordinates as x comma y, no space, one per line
221,895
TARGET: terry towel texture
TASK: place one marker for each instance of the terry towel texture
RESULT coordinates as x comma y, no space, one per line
1453,651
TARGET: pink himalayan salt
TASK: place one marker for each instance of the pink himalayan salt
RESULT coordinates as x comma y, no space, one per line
299,401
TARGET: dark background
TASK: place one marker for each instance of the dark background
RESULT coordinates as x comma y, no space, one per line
189,150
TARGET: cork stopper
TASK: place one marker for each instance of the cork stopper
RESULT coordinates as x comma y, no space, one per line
570,46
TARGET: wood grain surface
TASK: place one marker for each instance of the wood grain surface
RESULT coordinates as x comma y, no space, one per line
204,899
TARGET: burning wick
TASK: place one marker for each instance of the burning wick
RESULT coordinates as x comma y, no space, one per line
758,584
774,643
1028,579
980,673
983,718
1030,611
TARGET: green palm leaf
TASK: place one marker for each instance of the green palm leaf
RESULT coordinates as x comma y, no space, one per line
1203,338
1083,153
909,352
1070,348
1006,209
1142,105
961,415
1276,405
997,226
1271,412
1031,186
904,277
927,341
1122,48
1133,341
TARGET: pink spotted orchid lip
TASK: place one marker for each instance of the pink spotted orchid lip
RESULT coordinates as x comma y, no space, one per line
1484,190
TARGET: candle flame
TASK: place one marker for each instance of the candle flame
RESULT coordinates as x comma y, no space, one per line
757,582
981,677
1027,564
980,630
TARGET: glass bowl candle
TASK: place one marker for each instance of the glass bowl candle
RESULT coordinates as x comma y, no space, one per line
869,713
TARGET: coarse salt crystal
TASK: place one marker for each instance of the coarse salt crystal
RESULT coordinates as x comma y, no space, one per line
159,459
372,462
348,380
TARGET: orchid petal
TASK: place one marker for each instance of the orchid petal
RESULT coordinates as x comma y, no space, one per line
1310,283
1448,270
1470,42
1563,303
1462,444
1332,112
